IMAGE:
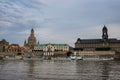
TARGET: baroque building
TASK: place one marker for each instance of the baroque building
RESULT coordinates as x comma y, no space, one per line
98,44
31,40
14,48
52,47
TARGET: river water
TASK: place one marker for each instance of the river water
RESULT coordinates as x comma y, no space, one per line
59,70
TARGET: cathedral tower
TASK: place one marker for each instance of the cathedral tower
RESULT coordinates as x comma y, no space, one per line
31,39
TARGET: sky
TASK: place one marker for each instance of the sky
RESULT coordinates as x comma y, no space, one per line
58,21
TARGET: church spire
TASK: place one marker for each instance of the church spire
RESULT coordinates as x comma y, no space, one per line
25,42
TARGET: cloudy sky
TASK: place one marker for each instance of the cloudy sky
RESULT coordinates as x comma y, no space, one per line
58,21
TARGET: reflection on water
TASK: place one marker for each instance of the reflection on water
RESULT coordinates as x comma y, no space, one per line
59,70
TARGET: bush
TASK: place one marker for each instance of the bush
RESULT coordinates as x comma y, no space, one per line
103,49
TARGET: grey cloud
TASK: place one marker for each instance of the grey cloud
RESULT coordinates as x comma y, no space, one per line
66,19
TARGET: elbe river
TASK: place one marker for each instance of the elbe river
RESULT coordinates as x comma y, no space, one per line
59,70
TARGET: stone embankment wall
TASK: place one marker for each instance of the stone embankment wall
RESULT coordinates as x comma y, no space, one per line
94,52
60,54
39,54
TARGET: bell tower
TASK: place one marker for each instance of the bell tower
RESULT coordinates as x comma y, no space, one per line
105,36
105,33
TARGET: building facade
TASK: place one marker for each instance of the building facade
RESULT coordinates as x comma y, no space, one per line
14,48
55,50
31,40
3,45
52,47
98,44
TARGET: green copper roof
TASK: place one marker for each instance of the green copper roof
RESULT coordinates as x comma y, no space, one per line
59,44
51,44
